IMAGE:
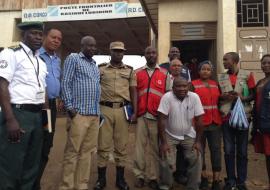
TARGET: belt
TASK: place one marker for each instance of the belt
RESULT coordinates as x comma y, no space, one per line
28,107
113,104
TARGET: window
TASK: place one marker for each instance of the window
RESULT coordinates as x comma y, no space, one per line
252,13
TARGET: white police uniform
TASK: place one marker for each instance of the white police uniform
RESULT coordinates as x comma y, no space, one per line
26,74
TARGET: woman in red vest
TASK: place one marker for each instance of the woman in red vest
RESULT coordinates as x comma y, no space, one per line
209,94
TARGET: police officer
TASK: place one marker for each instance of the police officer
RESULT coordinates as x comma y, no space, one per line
52,39
22,95
118,88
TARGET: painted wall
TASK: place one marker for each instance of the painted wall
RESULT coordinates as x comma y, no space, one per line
181,11
9,34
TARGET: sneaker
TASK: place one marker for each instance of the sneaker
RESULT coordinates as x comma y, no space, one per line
242,187
139,183
153,184
216,185
204,183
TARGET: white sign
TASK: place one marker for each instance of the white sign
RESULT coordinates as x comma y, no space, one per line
135,10
34,15
94,11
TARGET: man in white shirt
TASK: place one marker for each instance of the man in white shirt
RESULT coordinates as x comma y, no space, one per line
22,95
180,123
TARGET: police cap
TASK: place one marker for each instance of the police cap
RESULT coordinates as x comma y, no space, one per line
30,25
117,45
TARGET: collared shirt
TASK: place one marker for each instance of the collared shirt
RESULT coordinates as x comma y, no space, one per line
115,82
80,84
184,70
53,64
150,71
180,114
26,74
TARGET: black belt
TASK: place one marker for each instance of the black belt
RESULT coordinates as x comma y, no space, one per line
113,104
28,107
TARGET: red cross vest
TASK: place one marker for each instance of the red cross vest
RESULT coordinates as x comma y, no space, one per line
150,90
209,98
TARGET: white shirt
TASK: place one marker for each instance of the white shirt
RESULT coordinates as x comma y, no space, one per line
180,114
21,74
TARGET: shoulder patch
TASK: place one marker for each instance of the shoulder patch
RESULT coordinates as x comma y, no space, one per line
102,64
15,48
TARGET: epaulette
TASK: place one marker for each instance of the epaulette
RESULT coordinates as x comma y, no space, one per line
15,48
130,67
102,64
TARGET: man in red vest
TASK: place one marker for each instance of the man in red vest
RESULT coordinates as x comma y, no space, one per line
152,83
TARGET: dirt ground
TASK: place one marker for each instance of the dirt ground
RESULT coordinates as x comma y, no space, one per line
257,177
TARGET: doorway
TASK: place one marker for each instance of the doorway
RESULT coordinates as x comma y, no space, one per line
200,49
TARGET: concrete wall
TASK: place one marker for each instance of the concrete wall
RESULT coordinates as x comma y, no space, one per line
226,30
9,34
181,11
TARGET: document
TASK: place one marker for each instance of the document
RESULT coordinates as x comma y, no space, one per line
47,120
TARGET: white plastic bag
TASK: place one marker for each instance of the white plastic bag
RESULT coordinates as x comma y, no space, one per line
238,118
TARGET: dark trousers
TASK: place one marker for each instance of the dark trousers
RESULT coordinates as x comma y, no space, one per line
181,163
213,138
47,144
19,162
235,141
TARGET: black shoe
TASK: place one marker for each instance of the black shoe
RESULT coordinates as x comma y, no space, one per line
181,179
242,187
204,183
216,185
139,183
101,182
229,187
153,184
120,180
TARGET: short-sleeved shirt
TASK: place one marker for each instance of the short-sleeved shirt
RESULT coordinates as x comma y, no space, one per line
150,71
115,82
180,114
53,64
26,74
80,84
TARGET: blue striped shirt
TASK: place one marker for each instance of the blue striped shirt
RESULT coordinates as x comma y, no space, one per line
80,84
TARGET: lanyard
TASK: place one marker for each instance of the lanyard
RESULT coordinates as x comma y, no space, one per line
36,70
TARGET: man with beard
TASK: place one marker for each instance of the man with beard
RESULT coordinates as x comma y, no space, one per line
22,97
81,94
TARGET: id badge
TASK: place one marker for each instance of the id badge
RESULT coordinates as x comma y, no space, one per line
40,95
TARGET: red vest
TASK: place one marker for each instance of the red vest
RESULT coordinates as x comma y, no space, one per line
150,90
209,98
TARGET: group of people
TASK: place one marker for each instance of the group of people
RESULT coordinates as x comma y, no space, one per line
174,116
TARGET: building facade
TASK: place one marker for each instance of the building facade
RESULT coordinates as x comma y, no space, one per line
206,29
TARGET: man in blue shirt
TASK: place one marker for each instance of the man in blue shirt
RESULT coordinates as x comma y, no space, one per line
51,42
81,94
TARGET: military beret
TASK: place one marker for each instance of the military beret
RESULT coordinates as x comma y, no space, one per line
117,45
30,25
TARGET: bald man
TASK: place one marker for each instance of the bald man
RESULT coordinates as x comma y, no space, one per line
174,53
81,95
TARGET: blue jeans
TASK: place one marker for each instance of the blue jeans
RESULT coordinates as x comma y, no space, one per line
235,140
